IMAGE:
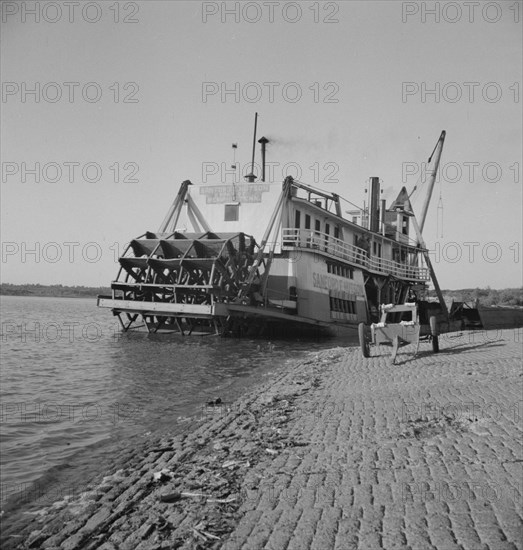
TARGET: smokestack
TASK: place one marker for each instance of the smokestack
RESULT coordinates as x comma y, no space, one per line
374,204
263,141
382,216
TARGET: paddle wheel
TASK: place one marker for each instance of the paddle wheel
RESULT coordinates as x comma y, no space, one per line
201,282
178,281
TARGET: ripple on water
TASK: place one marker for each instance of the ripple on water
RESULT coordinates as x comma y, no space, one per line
70,398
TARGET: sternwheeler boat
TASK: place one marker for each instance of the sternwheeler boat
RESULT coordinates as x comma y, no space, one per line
248,258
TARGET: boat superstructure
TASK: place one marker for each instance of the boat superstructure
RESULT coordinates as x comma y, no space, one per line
242,257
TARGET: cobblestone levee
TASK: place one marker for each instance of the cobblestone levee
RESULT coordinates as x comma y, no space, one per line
339,452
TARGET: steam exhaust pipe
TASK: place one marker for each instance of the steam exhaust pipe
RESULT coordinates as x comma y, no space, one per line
263,141
374,206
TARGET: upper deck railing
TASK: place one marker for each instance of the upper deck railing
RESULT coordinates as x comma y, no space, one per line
306,238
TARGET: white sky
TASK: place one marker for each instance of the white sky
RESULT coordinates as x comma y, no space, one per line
169,132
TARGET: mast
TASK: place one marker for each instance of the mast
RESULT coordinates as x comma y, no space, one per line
425,253
251,177
174,211
418,228
437,149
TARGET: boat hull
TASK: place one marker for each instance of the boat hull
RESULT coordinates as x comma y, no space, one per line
500,317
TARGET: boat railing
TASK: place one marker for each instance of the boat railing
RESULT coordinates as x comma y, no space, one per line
323,242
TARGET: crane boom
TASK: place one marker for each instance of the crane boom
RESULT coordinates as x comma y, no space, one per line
437,150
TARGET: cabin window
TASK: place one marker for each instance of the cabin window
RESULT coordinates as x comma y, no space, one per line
342,309
297,219
232,212
336,231
405,225
327,228
307,221
355,219
340,270
395,255
317,225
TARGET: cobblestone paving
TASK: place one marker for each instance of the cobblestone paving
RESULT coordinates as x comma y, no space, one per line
341,453
424,454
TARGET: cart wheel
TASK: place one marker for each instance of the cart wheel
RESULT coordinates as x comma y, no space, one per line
364,344
435,344
434,332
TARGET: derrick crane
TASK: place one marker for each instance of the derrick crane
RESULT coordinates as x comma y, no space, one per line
418,227
438,149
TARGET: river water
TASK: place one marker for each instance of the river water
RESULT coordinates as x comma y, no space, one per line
75,388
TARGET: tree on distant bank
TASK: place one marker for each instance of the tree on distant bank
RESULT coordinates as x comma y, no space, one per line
486,296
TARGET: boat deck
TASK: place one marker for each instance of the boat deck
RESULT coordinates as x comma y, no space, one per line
305,239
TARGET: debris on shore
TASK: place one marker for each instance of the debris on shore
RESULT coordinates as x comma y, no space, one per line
187,489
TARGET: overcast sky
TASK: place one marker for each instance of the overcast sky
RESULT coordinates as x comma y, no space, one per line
130,101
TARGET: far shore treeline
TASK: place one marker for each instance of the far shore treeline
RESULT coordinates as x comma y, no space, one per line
57,291
487,296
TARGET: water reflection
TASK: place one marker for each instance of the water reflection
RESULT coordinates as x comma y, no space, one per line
74,387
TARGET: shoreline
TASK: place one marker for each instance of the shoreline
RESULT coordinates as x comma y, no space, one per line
315,457
78,470
81,502
89,297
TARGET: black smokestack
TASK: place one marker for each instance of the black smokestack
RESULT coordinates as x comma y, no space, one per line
263,141
374,206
